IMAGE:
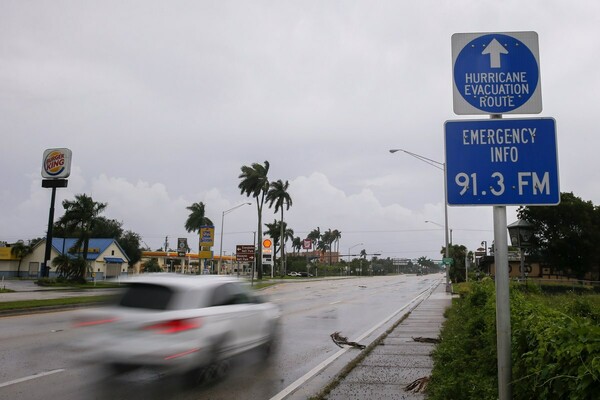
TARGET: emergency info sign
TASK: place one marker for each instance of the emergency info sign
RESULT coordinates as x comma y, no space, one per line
502,162
496,73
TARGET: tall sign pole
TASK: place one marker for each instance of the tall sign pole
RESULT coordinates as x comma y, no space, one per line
499,162
56,166
503,340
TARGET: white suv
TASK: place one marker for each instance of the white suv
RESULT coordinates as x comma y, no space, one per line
179,323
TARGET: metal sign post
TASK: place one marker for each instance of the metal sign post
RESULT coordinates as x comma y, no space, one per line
50,183
500,162
503,341
56,167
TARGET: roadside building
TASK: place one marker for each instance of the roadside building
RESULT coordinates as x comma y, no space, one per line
9,263
106,259
534,269
324,257
171,261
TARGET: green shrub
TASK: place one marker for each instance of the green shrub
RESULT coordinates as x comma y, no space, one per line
555,347
555,355
563,288
60,281
465,360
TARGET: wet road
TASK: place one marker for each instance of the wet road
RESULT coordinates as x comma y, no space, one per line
35,364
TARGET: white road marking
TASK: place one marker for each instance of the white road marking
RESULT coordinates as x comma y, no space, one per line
291,388
335,302
30,377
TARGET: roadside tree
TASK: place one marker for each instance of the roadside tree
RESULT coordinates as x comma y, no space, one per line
20,250
278,195
296,245
254,182
566,236
130,243
457,252
81,216
196,220
151,266
314,236
273,230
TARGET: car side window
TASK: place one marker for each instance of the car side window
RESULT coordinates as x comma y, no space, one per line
228,294
240,296
220,296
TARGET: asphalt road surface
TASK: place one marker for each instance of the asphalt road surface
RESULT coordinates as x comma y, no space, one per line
36,365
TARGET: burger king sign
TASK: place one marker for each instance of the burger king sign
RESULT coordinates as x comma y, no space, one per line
56,163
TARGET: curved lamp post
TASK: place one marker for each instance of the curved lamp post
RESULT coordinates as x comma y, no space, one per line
441,167
223,227
441,226
351,247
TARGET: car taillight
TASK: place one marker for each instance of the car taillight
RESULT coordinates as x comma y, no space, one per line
95,321
175,326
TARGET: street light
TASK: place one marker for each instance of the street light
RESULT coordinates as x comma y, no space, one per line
441,167
351,247
520,233
441,226
223,227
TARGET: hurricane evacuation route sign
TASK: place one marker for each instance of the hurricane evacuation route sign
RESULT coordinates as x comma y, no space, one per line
496,73
502,162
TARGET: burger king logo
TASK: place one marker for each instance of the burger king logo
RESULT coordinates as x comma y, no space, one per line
56,163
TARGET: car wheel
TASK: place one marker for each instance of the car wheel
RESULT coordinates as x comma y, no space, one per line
270,346
118,369
216,369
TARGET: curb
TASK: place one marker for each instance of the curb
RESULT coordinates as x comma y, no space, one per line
46,309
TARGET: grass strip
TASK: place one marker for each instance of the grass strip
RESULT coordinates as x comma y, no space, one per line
263,285
65,301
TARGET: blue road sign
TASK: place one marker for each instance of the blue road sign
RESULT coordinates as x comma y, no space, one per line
502,162
496,73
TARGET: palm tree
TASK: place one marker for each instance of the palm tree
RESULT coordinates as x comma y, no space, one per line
196,220
323,246
63,265
363,256
279,195
296,244
337,235
255,183
273,230
328,237
20,250
81,216
314,236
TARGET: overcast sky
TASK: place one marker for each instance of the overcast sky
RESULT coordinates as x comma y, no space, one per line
162,102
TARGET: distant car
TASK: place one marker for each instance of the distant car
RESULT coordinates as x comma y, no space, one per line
178,323
294,273
305,274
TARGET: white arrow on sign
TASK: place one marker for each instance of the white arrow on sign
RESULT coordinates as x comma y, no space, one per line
494,49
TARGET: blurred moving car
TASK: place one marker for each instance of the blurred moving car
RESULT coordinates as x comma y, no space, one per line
178,323
294,273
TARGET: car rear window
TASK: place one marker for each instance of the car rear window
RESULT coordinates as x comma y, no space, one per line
149,296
